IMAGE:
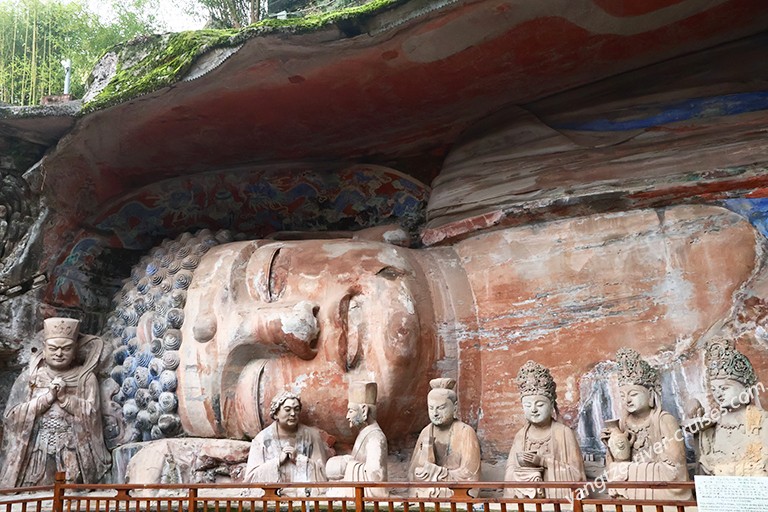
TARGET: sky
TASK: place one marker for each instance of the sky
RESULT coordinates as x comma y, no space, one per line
170,12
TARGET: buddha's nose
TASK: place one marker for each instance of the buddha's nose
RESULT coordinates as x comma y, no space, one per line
272,327
293,326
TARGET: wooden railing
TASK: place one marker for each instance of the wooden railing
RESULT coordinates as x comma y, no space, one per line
320,497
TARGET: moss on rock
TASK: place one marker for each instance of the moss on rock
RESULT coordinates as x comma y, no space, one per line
152,62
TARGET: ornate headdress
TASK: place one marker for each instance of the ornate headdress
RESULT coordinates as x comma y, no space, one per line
278,401
535,379
635,370
61,328
363,393
725,362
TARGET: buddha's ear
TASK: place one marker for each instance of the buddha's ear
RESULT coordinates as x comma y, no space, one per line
364,409
390,234
652,399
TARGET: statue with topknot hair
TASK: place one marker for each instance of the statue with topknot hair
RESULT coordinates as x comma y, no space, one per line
447,449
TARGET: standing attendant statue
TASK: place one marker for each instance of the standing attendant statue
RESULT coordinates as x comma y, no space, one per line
447,450
287,451
368,460
544,449
734,439
656,448
52,421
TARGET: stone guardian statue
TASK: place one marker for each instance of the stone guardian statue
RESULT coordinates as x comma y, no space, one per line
287,451
447,450
734,439
544,450
657,450
368,460
52,421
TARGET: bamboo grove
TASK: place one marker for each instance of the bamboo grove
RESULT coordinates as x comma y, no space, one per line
36,35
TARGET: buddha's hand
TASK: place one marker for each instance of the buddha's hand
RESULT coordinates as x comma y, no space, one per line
694,409
534,460
289,453
425,471
54,389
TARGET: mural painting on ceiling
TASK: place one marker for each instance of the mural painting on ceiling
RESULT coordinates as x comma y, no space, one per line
253,203
654,115
259,202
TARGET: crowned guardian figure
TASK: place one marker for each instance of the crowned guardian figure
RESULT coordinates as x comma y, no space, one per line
52,421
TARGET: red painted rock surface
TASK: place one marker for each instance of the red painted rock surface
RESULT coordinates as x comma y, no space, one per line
569,294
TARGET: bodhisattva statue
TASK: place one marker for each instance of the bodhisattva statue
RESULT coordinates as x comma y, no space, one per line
544,449
656,447
52,421
447,450
287,451
733,440
368,460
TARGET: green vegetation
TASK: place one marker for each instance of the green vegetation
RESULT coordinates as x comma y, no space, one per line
151,63
241,13
36,35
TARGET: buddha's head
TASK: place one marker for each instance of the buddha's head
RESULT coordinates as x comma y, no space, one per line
309,316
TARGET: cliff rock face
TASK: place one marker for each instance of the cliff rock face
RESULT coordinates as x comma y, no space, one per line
569,177
22,217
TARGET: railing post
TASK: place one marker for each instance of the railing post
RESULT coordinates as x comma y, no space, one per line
192,499
578,506
58,491
359,498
